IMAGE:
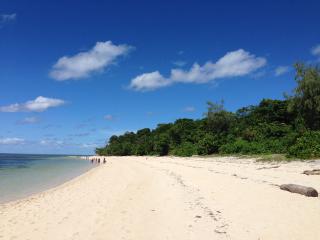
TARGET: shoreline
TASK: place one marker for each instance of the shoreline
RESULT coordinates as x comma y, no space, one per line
48,190
39,178
57,185
170,198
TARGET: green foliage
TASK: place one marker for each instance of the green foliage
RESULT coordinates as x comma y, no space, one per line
218,119
243,146
306,146
162,144
207,145
182,130
101,151
290,126
143,142
272,111
186,149
306,98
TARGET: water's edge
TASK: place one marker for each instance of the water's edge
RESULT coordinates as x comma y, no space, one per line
38,176
49,189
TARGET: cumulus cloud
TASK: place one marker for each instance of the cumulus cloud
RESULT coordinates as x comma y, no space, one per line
281,70
39,104
189,109
29,120
83,64
233,64
149,81
12,141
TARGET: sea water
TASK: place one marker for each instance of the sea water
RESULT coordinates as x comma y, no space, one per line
22,175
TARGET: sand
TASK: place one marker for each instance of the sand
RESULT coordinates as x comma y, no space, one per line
147,198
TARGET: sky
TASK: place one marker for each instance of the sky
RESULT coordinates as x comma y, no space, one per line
74,73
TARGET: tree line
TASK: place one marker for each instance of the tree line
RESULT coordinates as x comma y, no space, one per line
290,126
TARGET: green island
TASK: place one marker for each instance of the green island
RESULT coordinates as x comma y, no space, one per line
289,128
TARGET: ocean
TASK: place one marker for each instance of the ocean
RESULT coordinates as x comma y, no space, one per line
22,175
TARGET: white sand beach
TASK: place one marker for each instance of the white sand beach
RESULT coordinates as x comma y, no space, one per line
146,198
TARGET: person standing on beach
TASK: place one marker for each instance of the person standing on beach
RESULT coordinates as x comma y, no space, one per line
104,160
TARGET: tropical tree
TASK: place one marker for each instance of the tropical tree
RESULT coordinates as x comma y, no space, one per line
306,98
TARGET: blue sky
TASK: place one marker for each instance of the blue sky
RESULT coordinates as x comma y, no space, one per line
73,73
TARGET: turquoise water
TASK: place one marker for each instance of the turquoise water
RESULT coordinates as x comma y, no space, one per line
24,174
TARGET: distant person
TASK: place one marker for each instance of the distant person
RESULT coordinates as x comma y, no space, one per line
98,160
104,160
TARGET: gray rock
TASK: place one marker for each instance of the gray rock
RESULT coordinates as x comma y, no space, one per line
294,188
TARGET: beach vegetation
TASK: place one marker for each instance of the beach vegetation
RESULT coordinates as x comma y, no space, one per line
287,127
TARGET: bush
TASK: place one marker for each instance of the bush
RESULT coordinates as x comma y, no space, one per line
244,147
275,146
186,149
162,145
207,145
290,126
306,146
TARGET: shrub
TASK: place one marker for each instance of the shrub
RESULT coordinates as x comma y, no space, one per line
243,146
162,145
207,145
186,149
306,146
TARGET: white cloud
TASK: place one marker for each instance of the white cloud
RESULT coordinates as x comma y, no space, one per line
281,70
83,64
149,81
233,64
12,141
316,50
29,120
189,109
108,117
39,104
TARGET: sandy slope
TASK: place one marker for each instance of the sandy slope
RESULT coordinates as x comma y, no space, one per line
171,198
